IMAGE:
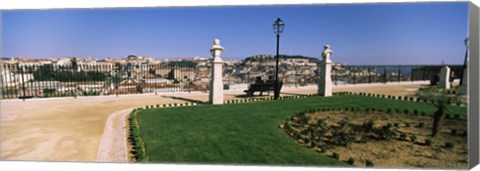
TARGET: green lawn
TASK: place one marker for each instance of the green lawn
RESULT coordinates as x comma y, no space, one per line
246,133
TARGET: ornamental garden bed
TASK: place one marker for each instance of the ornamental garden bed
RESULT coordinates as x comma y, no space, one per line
381,139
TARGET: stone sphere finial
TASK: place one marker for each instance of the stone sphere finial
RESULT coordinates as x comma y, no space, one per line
216,49
326,52
216,45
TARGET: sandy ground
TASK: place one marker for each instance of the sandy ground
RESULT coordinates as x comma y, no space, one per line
68,129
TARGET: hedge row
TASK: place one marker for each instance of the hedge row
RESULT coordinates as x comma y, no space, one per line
138,151
405,98
235,101
169,105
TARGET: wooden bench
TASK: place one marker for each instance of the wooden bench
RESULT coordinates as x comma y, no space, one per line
252,88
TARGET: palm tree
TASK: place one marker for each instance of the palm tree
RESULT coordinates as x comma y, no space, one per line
440,99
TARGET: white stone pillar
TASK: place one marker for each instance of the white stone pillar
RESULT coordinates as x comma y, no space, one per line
462,90
444,78
216,83
325,81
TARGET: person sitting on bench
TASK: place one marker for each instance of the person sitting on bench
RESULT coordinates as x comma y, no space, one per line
260,86
259,81
270,80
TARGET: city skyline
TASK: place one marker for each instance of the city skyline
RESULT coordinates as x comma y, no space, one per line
409,33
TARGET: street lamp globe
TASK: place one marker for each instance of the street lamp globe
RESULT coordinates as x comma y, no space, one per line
278,26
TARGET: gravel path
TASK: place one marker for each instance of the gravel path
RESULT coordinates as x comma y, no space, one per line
113,146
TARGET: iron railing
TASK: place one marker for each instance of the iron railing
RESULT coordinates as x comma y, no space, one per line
356,74
51,80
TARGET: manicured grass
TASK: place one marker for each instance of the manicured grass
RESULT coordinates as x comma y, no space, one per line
246,133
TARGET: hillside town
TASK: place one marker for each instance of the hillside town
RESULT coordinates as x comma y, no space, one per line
71,76
109,75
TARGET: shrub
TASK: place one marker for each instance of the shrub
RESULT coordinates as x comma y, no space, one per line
297,135
413,138
407,124
406,111
323,149
428,141
449,144
364,139
421,124
389,110
367,126
403,136
342,139
335,155
305,131
415,111
313,144
350,161
396,124
346,108
389,125
303,120
368,163
373,109
397,110
306,140
385,133
321,123
454,131
288,126
423,113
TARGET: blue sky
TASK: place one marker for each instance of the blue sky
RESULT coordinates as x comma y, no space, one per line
397,33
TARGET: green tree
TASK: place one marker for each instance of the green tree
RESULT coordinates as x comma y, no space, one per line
74,63
171,74
440,100
44,73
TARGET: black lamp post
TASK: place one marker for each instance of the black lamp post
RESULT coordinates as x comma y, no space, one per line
277,28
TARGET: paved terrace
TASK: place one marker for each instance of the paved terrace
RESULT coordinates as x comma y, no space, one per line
68,129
